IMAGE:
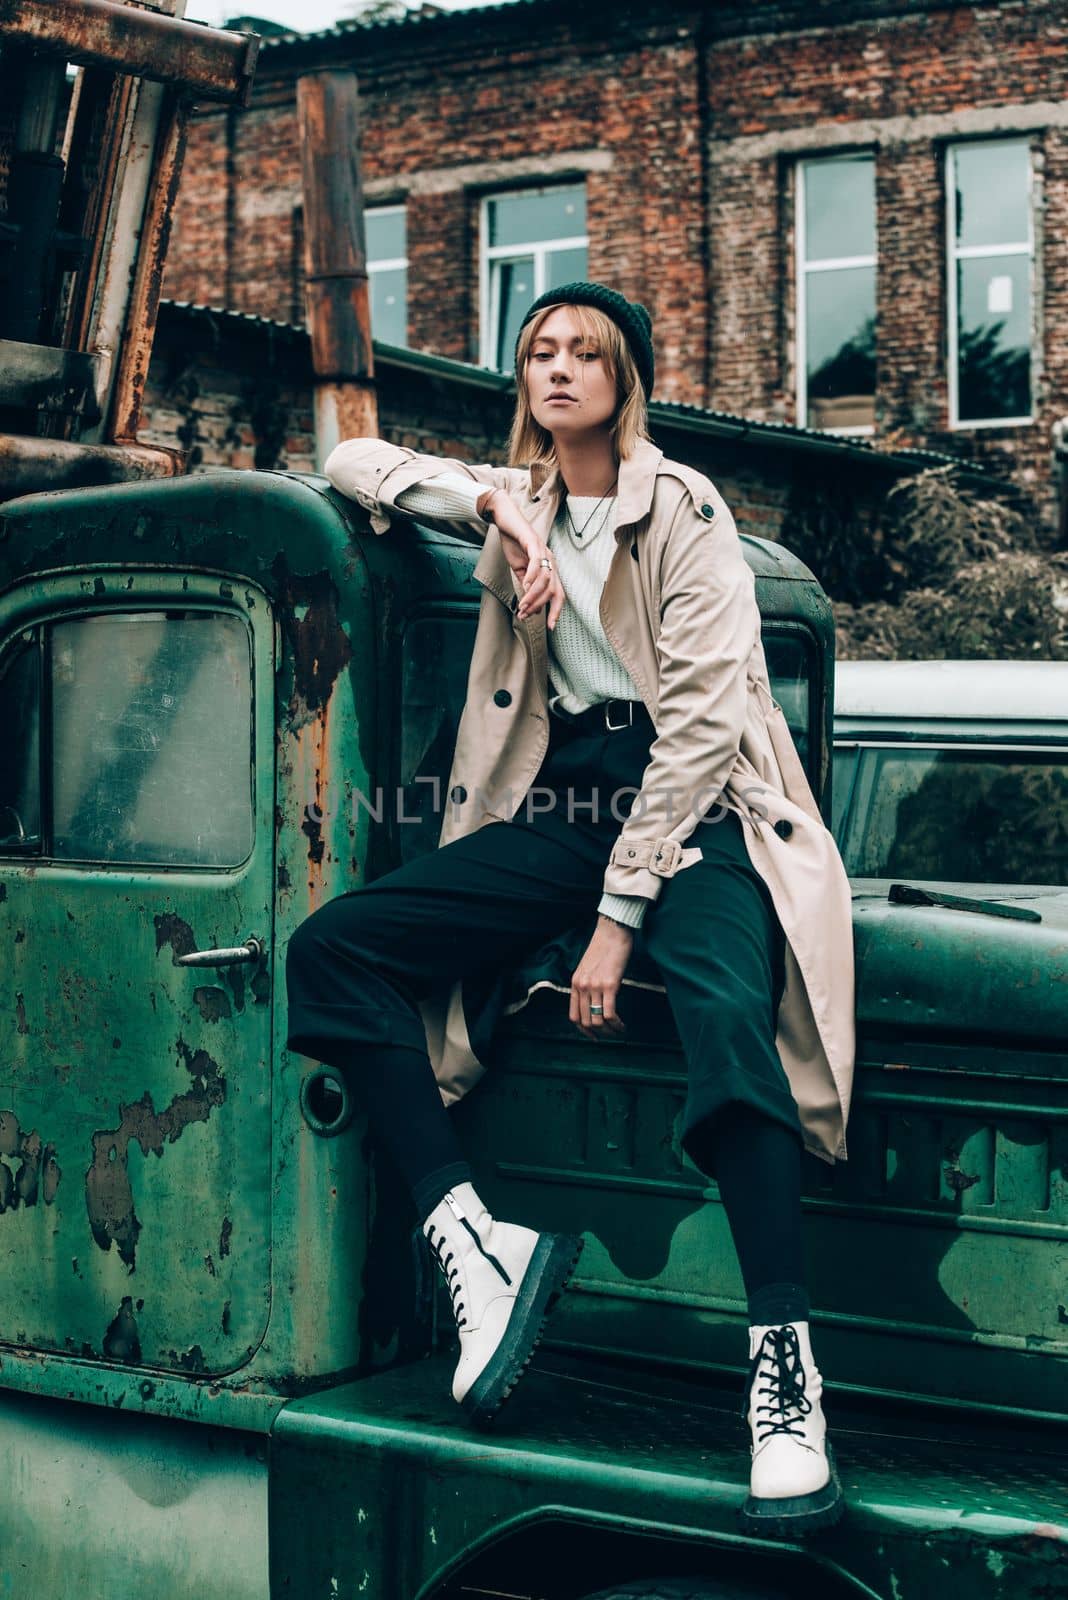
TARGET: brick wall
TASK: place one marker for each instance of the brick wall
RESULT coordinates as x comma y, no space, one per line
902,87
449,114
686,123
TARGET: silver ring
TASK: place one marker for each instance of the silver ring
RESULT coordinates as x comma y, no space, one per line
597,1011
546,563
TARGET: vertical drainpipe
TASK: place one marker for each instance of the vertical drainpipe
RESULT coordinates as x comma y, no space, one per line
335,260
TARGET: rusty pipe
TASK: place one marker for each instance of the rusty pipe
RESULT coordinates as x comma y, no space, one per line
30,465
214,63
336,294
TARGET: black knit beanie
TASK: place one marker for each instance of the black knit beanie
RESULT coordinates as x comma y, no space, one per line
630,316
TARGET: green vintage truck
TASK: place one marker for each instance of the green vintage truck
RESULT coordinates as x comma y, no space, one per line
214,1380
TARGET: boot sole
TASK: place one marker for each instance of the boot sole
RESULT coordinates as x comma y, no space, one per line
554,1259
796,1516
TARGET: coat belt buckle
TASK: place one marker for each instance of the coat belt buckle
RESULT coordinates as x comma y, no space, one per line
615,727
666,858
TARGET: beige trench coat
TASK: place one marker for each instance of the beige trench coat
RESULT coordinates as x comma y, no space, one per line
683,620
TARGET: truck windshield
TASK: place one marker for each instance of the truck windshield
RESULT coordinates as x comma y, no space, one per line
959,815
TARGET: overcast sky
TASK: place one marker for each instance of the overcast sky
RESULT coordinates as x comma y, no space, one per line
306,15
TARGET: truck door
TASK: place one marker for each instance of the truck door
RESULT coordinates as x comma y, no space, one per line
136,829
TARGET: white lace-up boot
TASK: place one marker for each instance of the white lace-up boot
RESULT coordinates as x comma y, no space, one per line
504,1281
793,1487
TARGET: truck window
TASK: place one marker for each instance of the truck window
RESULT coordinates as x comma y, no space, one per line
130,740
963,815
20,694
435,657
789,652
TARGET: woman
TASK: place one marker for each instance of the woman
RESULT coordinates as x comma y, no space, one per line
617,678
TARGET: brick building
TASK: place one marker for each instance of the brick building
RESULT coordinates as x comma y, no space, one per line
845,215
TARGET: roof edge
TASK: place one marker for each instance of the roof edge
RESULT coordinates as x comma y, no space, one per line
665,413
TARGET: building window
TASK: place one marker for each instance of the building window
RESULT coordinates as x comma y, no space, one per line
989,290
387,272
532,241
836,294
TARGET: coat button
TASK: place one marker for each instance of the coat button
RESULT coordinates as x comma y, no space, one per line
708,511
783,828
458,794
502,698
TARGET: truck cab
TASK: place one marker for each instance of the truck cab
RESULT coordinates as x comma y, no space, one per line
212,1343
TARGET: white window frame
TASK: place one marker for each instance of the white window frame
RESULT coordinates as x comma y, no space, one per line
803,268
489,281
391,263
955,253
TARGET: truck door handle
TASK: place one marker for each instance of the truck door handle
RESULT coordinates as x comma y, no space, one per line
252,950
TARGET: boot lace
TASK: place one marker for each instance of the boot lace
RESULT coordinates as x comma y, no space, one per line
778,1361
437,1242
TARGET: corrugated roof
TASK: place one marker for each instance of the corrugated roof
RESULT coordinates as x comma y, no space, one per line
668,413
413,18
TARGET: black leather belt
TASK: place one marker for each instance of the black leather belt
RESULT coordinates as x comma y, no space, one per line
607,716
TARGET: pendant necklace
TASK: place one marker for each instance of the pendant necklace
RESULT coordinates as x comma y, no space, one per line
574,533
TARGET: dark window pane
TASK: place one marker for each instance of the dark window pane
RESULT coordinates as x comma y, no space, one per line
994,337
152,738
435,661
20,710
839,208
538,216
516,292
962,816
389,305
840,340
566,266
789,662
386,235
993,193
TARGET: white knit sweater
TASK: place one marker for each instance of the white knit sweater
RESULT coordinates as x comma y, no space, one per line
583,667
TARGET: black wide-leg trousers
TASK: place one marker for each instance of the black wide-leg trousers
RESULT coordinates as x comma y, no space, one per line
358,966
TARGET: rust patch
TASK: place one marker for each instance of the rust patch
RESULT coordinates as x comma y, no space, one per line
312,828
38,1173
958,1179
20,1013
178,934
108,1196
191,1360
284,880
224,1237
212,1004
121,1342
320,646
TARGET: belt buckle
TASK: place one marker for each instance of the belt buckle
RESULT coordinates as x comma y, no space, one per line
616,727
666,859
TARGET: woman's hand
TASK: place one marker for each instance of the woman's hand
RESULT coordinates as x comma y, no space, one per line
597,978
524,552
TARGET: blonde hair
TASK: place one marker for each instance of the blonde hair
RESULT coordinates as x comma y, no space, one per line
529,442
